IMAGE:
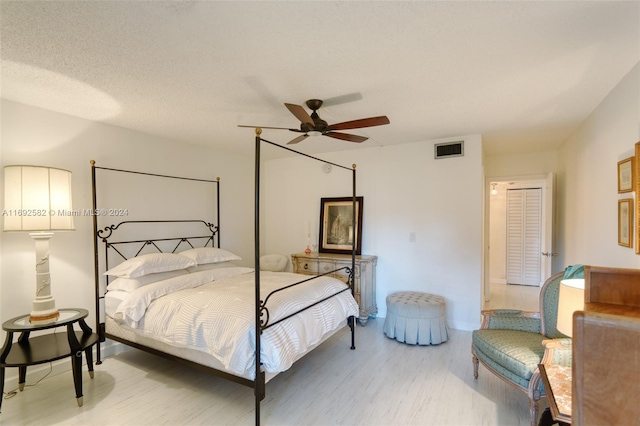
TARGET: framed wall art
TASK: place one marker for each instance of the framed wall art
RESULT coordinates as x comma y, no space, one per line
625,175
338,233
625,222
636,171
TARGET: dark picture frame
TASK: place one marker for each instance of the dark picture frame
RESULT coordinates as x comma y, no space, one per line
336,225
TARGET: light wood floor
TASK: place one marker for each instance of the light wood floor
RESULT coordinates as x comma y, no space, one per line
382,382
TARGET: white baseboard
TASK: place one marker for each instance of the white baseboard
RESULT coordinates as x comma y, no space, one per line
36,373
463,325
111,347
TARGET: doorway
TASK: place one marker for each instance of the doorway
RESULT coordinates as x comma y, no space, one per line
496,247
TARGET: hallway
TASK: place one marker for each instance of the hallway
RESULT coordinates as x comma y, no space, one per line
511,296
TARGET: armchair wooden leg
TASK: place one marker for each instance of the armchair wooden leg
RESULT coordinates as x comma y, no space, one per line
534,393
475,361
533,411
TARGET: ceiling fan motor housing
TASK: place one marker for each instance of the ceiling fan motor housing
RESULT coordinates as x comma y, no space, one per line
314,104
319,124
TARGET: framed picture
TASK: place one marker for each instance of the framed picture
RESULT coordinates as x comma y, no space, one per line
338,233
636,171
625,175
625,222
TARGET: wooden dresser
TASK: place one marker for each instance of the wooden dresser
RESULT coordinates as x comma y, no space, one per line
606,349
364,277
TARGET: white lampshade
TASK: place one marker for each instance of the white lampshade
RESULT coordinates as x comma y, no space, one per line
571,299
37,199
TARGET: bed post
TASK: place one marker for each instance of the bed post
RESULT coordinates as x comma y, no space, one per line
355,227
96,277
258,389
352,320
217,210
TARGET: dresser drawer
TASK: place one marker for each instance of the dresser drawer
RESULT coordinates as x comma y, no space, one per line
325,266
305,266
343,272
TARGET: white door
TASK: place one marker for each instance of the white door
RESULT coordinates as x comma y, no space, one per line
524,236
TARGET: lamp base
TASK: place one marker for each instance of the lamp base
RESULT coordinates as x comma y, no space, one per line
36,318
44,306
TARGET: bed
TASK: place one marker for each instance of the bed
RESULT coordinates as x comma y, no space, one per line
185,298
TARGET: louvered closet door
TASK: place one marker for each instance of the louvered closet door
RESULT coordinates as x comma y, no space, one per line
524,227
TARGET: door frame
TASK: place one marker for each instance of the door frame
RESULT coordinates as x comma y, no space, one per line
547,181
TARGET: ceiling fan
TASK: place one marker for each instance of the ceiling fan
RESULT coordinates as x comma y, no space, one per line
313,125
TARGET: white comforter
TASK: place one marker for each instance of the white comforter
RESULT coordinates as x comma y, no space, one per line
213,311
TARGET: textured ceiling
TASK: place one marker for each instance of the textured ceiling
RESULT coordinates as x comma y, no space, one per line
522,74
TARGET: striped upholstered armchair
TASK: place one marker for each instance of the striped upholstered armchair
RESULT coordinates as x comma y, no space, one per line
510,344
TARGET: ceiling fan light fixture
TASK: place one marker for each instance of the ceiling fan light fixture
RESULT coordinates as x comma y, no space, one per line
314,133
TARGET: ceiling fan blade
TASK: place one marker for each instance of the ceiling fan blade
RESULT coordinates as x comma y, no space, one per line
267,127
346,137
298,139
300,113
358,124
342,99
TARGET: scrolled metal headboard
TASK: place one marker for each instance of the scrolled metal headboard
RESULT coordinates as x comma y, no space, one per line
140,244
107,232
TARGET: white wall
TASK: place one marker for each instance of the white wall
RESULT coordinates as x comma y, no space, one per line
36,136
405,190
497,248
534,163
587,186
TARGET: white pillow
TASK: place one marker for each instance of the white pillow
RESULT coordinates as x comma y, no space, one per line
112,300
130,284
273,262
208,266
204,255
150,264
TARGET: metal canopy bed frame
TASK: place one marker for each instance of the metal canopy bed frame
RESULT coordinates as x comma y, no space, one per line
210,237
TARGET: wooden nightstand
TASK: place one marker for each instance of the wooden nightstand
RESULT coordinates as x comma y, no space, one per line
364,276
48,347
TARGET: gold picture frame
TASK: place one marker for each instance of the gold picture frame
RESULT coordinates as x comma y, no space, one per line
636,167
625,222
626,174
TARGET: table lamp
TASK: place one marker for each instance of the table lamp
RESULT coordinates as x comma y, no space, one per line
571,299
38,199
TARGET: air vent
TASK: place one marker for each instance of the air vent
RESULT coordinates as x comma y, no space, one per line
449,149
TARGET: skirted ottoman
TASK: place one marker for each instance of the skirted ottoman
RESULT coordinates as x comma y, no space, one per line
416,318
